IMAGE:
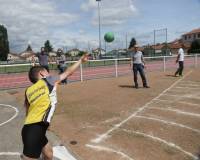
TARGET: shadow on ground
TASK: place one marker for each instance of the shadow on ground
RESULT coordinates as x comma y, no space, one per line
126,86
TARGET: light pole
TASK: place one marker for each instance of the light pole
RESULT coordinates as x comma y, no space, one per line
99,26
159,30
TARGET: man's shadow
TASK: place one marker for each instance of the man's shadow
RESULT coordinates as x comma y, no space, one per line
126,86
170,75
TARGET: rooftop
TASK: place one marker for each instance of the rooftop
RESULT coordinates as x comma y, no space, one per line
193,31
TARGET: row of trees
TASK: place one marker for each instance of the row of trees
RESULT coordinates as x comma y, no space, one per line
47,46
4,44
195,46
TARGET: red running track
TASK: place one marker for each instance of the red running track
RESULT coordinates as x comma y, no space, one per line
19,80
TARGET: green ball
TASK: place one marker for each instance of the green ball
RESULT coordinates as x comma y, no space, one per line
109,37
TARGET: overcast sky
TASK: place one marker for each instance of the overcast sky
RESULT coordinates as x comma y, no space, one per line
74,23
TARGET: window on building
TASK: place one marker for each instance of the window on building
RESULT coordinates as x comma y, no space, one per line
199,35
189,36
194,36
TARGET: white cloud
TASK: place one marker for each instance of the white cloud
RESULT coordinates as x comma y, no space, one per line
113,12
32,20
91,4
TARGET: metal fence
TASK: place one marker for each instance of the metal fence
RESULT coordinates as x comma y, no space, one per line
15,75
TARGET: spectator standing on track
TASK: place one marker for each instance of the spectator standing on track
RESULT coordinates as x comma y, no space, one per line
61,63
180,60
138,64
43,58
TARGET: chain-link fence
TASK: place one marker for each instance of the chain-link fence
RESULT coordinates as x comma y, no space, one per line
16,75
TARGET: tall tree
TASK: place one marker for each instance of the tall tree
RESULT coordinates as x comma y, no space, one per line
195,46
29,48
48,47
4,44
132,43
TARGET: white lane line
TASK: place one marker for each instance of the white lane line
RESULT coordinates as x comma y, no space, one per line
182,102
189,84
191,104
183,91
15,115
10,154
183,96
105,135
188,81
62,153
110,120
170,144
177,91
187,88
164,100
102,148
177,111
169,123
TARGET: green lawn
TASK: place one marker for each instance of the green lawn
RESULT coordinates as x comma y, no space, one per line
25,68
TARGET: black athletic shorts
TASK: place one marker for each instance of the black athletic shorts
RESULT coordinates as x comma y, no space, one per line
34,139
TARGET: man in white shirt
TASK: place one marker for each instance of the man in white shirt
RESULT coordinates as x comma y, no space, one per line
180,60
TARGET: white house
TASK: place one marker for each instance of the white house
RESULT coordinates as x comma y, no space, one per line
14,57
191,36
73,52
52,54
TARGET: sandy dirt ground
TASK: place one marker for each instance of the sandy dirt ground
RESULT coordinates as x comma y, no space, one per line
108,119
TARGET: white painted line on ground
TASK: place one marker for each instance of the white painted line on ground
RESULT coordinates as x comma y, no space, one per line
182,96
191,104
177,111
169,123
110,120
174,95
189,85
62,153
102,148
15,115
172,145
182,102
183,92
186,88
188,81
105,135
178,91
10,154
172,105
59,152
164,100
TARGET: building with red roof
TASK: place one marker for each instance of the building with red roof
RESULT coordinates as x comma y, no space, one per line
191,36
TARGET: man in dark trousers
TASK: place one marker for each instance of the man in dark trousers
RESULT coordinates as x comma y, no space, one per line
180,61
138,65
61,63
43,58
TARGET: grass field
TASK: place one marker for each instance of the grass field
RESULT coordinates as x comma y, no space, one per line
25,67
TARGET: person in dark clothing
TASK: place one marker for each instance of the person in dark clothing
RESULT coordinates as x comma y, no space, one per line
61,63
43,58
